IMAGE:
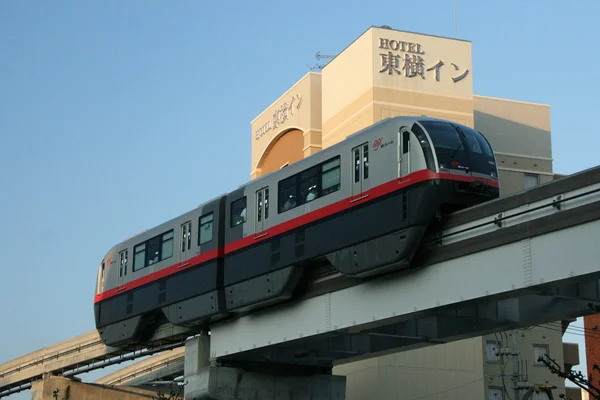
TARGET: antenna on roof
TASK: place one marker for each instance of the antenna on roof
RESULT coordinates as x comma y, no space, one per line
319,57
454,18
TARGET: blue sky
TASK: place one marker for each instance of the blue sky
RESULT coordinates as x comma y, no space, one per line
116,116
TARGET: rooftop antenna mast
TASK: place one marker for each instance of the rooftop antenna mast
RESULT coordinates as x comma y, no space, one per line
455,19
319,56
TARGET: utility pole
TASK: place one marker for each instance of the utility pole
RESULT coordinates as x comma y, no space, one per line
516,377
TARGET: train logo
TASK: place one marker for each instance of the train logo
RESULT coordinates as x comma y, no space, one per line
377,143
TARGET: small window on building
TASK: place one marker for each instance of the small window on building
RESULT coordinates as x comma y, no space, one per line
531,180
495,393
206,228
539,350
238,212
492,349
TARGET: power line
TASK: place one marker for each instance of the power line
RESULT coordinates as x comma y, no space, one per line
448,390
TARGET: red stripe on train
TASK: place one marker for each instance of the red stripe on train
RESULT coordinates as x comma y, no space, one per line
349,202
342,205
182,266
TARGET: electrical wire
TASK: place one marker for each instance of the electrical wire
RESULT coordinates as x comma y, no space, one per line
449,390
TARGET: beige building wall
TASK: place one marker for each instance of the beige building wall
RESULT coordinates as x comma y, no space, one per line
450,371
289,129
520,135
386,73
531,342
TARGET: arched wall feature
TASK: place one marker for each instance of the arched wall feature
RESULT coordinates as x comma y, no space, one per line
285,148
289,129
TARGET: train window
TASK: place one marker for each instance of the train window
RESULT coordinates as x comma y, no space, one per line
189,237
259,201
139,257
206,228
309,184
405,143
153,250
287,194
366,161
356,165
330,176
266,203
238,212
167,246
183,236
123,263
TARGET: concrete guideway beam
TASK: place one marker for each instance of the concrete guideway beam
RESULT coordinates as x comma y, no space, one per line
532,265
391,336
159,366
81,354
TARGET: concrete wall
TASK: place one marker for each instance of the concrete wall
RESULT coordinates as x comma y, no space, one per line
68,389
441,372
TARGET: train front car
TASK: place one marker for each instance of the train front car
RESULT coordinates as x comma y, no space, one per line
463,159
437,167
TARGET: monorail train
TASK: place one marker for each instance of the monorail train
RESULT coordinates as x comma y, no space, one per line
363,205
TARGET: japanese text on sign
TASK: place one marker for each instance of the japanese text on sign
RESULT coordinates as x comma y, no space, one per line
411,63
280,115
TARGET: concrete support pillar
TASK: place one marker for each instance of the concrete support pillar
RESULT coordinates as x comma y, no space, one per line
206,382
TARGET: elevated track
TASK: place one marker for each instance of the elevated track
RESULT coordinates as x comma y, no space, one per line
526,242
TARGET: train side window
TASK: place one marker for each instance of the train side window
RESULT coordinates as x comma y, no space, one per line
330,176
167,245
287,194
139,257
308,185
206,228
153,251
357,165
259,202
238,212
405,138
366,161
266,203
123,262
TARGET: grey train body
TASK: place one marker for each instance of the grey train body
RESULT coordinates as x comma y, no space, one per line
362,205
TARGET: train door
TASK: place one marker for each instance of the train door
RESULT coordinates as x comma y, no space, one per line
403,152
262,209
122,267
360,162
186,240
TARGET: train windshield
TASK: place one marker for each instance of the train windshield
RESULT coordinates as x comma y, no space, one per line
460,147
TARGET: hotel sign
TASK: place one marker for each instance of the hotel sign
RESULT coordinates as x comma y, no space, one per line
280,115
408,59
